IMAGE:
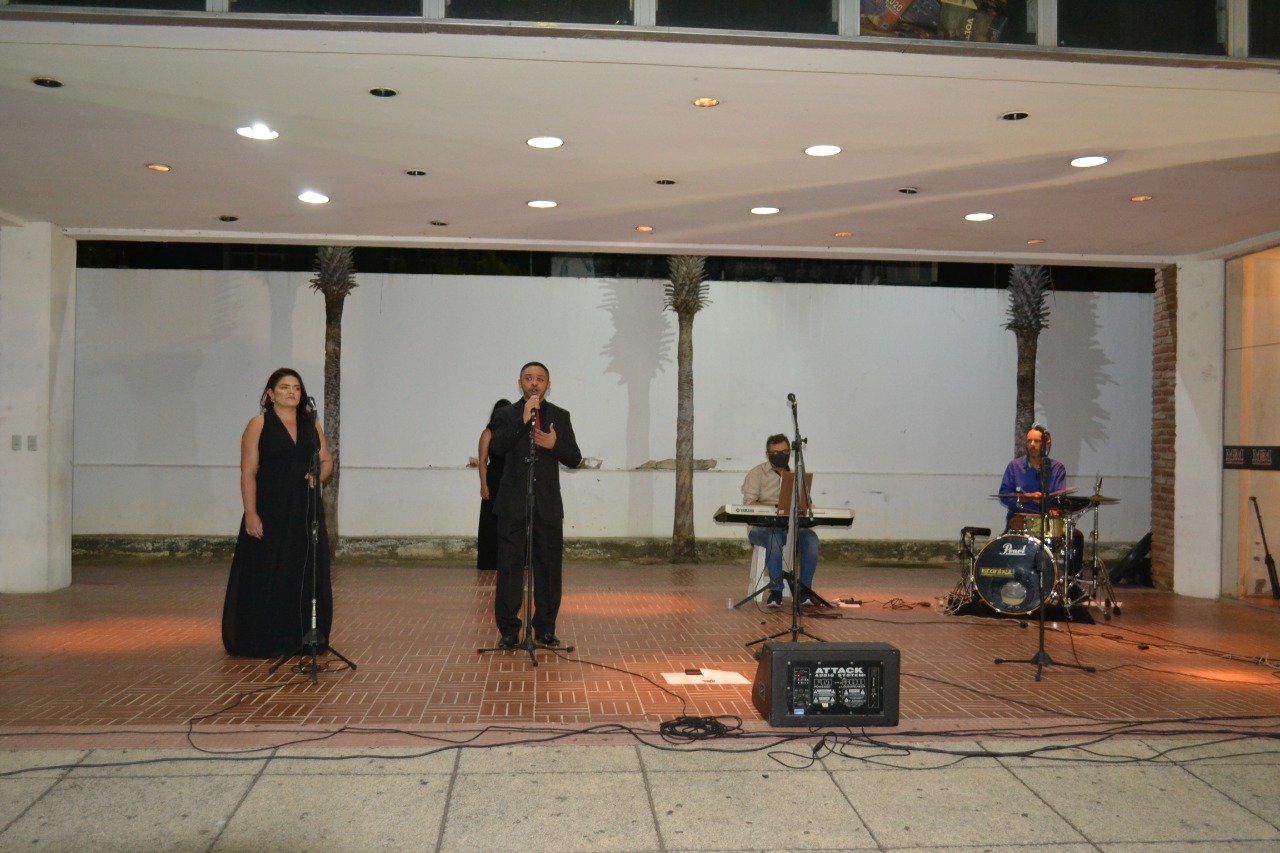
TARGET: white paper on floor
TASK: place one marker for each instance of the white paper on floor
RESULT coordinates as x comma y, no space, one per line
705,676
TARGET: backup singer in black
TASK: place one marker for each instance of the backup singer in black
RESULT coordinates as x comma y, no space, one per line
554,445
267,608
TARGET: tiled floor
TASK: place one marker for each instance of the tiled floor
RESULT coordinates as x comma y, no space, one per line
124,727
137,645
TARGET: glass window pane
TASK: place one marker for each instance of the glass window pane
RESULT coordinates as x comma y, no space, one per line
550,11
779,16
1264,29
1170,26
169,5
400,8
951,20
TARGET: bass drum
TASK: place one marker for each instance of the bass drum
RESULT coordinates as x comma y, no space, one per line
1014,573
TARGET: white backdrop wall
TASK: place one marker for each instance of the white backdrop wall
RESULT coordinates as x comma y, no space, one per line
905,394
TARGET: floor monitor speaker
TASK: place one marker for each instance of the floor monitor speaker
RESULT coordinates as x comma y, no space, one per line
827,684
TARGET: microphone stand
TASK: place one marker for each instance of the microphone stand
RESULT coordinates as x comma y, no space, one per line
528,644
314,642
1041,658
791,576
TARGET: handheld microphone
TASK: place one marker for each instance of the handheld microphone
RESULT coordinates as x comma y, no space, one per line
791,398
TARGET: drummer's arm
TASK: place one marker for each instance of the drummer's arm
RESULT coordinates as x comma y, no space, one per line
1008,486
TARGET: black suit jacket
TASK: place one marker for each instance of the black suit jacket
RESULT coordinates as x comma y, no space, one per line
511,439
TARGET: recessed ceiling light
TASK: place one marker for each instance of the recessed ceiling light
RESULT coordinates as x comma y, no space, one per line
47,82
229,218
706,102
1014,115
312,197
666,182
764,211
159,167
257,131
439,223
843,234
1140,198
645,228
1088,162
542,203
1035,242
908,190
545,142
383,92
980,217
822,150
414,173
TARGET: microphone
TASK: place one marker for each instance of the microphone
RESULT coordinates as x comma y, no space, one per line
791,398
536,420
311,405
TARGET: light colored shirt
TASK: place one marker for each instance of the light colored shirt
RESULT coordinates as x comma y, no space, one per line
762,485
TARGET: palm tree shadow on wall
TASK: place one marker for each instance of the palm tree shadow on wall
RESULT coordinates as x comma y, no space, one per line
638,350
1071,356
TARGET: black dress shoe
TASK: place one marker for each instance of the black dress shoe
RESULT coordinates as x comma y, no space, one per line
509,641
549,640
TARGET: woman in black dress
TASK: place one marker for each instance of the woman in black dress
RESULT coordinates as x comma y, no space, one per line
267,610
490,477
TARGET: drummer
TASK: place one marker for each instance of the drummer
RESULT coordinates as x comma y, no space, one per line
1021,490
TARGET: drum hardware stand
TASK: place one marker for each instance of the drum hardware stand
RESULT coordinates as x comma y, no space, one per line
1041,658
527,644
966,588
1101,581
314,642
798,493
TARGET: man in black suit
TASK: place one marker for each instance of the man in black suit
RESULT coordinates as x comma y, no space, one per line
553,445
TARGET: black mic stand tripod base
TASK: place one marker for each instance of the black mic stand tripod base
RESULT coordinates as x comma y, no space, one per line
314,643
799,498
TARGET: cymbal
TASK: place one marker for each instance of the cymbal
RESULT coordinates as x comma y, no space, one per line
1016,495
1079,504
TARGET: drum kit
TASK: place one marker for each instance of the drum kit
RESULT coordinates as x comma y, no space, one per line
1030,565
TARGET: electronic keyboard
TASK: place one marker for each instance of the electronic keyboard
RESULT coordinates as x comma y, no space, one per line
767,516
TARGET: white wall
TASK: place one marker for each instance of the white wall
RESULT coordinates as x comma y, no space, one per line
905,394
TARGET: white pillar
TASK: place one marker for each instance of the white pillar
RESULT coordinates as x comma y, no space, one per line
1198,401
37,356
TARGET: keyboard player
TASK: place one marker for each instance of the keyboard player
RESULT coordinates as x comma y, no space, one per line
762,486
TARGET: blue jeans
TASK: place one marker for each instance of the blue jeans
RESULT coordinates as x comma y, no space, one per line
774,542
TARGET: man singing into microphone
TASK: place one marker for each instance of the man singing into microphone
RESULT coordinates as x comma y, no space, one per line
553,445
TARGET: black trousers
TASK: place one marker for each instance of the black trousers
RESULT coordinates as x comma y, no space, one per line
548,556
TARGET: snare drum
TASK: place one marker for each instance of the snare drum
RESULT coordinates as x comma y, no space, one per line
1031,523
1014,573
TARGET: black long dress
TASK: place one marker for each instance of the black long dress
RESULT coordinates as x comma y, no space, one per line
487,528
267,611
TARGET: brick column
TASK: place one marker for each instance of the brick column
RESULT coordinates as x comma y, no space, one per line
1164,369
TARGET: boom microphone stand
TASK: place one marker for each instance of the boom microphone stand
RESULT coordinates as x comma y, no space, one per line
798,493
1041,658
314,642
